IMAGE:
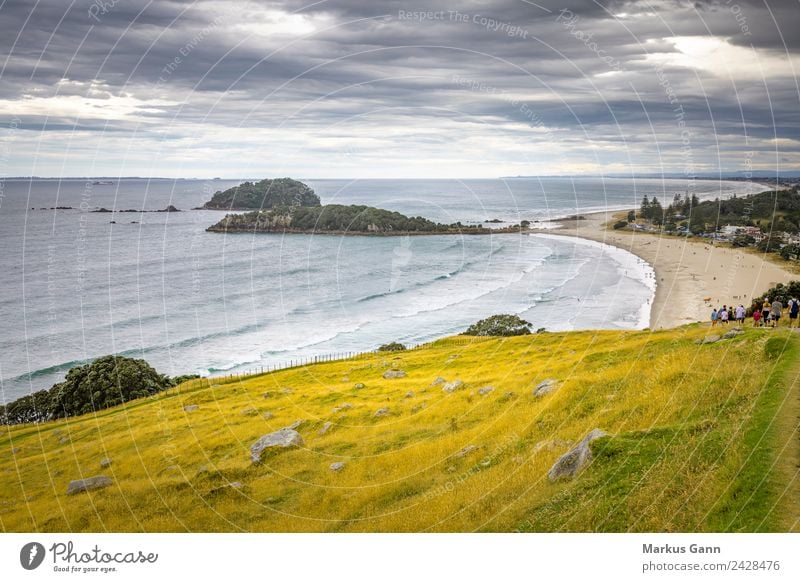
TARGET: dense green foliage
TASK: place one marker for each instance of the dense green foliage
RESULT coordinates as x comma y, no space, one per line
392,347
264,194
105,382
335,218
500,325
774,212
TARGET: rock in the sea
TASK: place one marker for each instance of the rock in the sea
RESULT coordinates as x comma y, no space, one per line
465,451
486,390
451,387
568,464
283,439
105,463
381,412
545,387
325,428
391,374
88,484
439,380
337,466
190,407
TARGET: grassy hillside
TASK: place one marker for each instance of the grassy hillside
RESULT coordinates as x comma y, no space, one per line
694,440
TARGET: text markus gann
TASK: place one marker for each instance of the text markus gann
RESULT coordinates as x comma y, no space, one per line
691,549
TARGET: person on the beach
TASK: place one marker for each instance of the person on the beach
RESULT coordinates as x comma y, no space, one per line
765,311
740,314
794,309
756,317
713,318
776,312
723,315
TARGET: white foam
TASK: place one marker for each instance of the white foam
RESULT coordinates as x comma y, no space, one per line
629,266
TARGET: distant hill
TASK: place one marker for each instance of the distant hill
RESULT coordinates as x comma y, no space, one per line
268,193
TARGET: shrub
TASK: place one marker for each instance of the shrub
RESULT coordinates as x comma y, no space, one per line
103,383
392,347
620,224
106,382
500,325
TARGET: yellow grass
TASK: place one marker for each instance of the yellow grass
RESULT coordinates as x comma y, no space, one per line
679,458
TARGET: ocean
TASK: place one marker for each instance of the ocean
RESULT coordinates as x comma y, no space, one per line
157,286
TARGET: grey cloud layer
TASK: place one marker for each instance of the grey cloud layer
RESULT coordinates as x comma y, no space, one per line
577,79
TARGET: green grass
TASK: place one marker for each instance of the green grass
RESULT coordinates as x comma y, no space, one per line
693,443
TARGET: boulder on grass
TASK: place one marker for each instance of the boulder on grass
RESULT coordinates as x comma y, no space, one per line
88,484
392,374
281,439
568,464
545,387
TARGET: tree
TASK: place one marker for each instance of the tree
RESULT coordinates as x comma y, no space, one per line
770,243
790,252
631,216
500,325
656,212
644,210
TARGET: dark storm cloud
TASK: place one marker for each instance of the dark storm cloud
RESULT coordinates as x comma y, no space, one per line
575,69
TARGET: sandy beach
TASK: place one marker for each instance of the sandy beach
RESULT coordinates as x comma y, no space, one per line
687,270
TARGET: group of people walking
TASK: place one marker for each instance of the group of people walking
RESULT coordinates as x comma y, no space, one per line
767,314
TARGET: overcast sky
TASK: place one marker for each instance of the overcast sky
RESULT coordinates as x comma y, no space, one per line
351,88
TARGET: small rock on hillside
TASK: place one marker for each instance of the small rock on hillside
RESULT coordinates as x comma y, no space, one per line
545,387
392,374
568,464
451,387
88,484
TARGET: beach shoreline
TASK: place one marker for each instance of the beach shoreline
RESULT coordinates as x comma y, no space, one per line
688,271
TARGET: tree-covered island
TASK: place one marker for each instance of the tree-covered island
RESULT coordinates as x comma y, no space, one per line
341,219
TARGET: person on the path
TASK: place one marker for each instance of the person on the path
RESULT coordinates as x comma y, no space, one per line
765,311
723,315
756,318
740,314
776,312
794,309
714,317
